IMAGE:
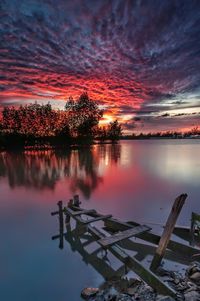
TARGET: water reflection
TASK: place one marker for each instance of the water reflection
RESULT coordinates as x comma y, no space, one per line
81,168
98,259
126,180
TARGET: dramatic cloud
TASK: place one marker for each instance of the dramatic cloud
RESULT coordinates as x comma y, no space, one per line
137,58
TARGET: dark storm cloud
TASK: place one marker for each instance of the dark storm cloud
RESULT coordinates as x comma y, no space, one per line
135,54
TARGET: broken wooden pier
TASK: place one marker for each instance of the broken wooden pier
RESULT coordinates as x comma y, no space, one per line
114,236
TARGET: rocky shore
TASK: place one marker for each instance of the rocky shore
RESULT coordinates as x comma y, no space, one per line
187,287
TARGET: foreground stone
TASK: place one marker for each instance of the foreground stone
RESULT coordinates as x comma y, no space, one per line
192,296
164,298
124,290
89,292
193,272
187,287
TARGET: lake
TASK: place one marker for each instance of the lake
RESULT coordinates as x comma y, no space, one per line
132,180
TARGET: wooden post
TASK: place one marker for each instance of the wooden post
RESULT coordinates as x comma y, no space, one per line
70,203
60,216
192,230
195,228
67,218
169,227
76,201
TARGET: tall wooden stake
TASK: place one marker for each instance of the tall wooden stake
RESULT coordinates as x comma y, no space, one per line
169,227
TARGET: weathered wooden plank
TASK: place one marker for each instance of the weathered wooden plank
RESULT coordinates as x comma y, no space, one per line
96,219
115,225
76,213
132,263
54,213
71,213
123,235
96,232
58,236
171,221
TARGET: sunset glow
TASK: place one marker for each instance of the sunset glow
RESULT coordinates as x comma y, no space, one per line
139,59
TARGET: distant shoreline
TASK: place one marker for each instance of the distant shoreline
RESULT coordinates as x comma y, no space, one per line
159,138
76,146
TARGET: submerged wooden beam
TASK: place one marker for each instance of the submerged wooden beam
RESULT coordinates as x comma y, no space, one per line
171,221
130,229
100,265
93,220
76,213
132,263
114,225
182,232
92,213
123,235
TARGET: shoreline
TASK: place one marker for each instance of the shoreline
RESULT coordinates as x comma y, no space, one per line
186,287
75,146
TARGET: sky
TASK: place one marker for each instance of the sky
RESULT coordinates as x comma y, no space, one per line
140,60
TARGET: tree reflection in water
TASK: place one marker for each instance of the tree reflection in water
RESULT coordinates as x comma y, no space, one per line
81,168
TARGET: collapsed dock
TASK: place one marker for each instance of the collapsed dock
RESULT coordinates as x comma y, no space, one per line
115,237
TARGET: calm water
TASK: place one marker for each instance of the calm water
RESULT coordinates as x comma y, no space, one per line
135,180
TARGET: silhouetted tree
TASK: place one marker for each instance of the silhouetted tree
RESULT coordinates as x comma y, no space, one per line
195,131
114,131
30,120
101,133
70,103
83,116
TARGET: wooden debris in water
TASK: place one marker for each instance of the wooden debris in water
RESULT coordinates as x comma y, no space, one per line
121,232
131,262
169,227
123,235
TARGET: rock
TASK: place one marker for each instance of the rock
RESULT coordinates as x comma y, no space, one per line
177,280
195,277
193,268
134,282
145,293
89,292
191,287
122,285
110,298
182,286
162,272
164,298
131,291
124,297
192,296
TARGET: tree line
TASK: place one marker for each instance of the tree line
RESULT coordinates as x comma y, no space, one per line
191,133
38,124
